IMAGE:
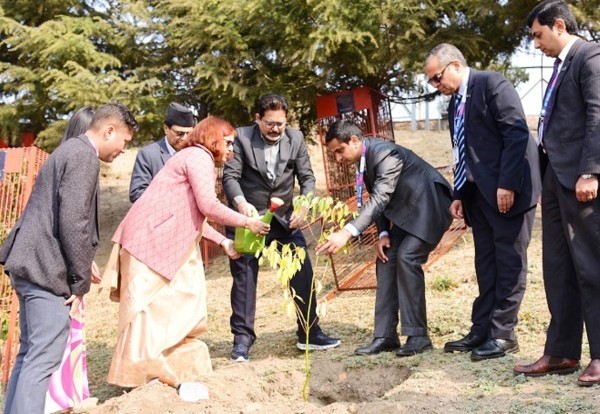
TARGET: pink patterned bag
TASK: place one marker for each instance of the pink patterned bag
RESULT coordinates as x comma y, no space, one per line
69,384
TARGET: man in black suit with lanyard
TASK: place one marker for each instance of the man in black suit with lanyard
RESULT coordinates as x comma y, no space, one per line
496,188
569,137
409,202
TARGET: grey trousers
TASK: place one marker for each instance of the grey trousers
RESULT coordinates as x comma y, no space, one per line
401,287
44,322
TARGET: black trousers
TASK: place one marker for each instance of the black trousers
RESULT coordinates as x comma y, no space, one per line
245,278
500,263
571,258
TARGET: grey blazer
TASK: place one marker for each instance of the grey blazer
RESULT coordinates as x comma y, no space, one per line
572,135
148,163
404,190
246,173
54,241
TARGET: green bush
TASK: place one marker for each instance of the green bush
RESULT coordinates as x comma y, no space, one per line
443,283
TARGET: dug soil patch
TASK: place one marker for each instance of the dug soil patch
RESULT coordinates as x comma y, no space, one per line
331,383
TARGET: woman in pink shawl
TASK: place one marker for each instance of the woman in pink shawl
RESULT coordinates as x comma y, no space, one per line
162,289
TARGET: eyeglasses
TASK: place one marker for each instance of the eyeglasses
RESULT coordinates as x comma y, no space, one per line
437,78
180,134
272,124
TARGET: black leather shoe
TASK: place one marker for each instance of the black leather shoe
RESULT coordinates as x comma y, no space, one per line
468,343
415,345
378,345
494,348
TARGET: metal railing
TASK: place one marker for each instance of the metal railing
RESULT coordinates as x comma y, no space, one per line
20,171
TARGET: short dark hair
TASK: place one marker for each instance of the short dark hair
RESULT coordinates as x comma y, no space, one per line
342,131
272,102
115,111
79,123
548,11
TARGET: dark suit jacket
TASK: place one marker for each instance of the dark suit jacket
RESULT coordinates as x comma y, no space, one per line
148,163
246,173
572,134
405,190
500,150
54,242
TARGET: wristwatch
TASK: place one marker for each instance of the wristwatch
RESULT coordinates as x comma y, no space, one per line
587,176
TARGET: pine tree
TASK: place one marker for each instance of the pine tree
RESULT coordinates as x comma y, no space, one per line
219,56
61,55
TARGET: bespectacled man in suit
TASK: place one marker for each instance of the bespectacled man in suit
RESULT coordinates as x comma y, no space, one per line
48,255
569,143
268,158
179,122
496,188
409,202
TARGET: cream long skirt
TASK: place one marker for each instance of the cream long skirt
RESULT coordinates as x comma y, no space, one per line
160,321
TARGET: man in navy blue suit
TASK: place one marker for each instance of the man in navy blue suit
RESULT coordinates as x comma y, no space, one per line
496,188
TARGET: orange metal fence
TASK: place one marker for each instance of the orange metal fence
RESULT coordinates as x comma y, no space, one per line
20,170
368,109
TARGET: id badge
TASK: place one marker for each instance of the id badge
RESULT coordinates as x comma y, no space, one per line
455,155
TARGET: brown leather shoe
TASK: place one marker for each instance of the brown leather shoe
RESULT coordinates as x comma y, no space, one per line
591,375
548,365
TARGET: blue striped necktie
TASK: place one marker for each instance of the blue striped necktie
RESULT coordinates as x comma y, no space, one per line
458,141
546,106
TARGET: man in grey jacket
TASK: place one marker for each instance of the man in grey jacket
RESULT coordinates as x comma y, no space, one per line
48,255
409,203
268,158
179,122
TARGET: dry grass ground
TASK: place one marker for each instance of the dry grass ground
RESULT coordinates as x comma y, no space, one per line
272,382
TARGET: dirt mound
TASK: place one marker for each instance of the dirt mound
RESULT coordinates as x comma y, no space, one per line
267,386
